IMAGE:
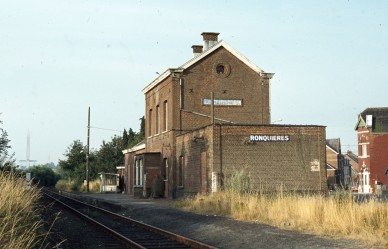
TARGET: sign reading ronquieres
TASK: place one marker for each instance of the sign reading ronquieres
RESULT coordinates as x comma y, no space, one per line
269,138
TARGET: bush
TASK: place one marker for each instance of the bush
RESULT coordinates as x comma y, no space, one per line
43,175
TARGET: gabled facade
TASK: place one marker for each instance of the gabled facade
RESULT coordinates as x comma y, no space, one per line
200,113
372,136
179,100
338,166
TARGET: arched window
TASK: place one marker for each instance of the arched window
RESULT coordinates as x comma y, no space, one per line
157,124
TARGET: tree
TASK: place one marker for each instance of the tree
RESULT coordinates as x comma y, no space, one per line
4,146
110,155
125,138
142,127
131,136
75,161
7,162
103,160
43,175
135,138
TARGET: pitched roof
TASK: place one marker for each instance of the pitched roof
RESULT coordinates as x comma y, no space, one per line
330,167
351,156
334,144
379,117
199,57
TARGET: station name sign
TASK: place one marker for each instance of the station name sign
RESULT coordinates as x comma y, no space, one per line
223,102
269,138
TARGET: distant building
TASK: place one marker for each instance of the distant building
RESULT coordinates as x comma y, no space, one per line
339,171
25,164
372,130
210,118
354,167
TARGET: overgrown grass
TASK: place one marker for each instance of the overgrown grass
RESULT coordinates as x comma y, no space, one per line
65,185
337,216
20,225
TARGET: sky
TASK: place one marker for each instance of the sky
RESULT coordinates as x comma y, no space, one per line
59,57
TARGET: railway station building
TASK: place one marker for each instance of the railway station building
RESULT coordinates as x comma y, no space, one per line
210,118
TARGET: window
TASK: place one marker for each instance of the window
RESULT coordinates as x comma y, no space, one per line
165,117
180,172
150,122
384,125
363,150
141,172
157,124
138,172
222,69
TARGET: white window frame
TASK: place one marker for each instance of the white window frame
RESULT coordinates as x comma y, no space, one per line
139,168
141,172
136,172
364,150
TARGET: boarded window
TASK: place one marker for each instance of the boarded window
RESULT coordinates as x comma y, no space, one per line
180,171
165,116
150,122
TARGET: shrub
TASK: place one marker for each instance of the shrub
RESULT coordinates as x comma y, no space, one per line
43,175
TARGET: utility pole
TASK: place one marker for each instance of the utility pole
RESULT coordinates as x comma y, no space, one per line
87,153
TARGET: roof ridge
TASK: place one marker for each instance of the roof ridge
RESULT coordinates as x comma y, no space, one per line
205,53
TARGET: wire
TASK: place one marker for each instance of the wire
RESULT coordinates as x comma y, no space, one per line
99,128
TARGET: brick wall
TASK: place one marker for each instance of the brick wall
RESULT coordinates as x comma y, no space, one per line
378,158
241,84
268,164
332,157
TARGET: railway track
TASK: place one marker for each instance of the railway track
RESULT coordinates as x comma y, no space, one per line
129,232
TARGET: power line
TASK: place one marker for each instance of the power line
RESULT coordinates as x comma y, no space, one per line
99,128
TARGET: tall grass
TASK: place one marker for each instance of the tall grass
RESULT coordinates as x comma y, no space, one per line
20,226
337,216
65,185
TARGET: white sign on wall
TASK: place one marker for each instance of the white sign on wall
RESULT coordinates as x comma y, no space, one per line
223,102
269,138
315,165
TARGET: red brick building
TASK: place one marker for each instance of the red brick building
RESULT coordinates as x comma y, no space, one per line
209,118
372,130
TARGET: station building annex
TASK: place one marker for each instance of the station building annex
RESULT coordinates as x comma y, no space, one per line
211,117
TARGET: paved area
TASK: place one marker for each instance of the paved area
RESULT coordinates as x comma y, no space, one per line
218,231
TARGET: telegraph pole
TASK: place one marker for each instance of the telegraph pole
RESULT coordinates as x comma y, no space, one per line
87,153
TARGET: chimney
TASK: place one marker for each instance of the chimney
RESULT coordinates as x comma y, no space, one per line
197,49
210,38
